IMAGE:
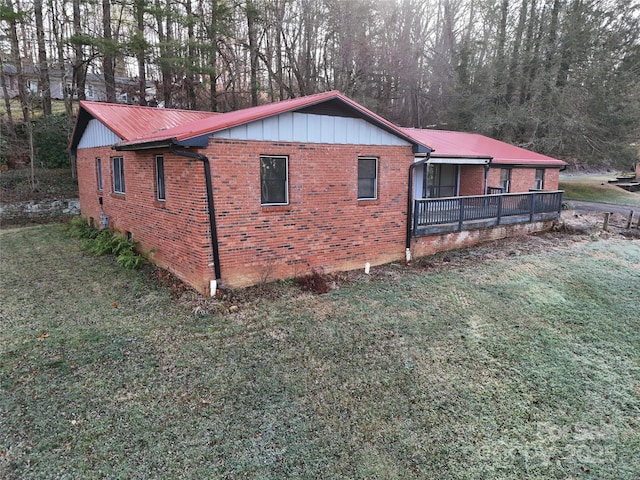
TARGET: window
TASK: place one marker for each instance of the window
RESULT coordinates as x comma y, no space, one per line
160,191
367,178
118,174
505,179
274,172
440,180
32,86
88,91
99,172
539,183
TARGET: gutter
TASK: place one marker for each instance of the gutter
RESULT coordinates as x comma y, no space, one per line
212,216
407,245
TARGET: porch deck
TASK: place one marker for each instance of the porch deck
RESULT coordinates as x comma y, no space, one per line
442,215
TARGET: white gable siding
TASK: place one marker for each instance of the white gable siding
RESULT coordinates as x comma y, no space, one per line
307,128
97,135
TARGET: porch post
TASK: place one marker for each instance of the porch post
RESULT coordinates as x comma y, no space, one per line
486,178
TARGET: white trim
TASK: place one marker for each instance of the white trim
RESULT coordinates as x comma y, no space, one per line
459,161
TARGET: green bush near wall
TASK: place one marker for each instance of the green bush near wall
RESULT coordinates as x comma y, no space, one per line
50,141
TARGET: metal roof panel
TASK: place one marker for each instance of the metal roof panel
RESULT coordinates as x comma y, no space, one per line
449,143
227,120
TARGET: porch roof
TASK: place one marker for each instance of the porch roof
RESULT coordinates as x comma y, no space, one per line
449,144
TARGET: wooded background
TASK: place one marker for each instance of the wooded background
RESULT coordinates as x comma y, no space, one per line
561,77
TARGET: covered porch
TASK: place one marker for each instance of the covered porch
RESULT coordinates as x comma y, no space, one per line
450,214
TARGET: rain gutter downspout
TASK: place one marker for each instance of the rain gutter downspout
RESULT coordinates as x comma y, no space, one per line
412,167
212,216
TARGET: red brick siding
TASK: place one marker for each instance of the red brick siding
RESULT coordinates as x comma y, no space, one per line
324,226
523,179
428,245
471,180
178,229
551,179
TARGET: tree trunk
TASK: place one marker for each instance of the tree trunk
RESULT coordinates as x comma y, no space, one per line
79,70
7,100
162,15
12,20
252,15
191,52
515,54
45,84
108,59
140,51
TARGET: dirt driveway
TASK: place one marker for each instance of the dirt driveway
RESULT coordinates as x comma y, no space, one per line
602,207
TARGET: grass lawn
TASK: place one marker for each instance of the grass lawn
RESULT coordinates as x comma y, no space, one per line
57,107
526,366
595,188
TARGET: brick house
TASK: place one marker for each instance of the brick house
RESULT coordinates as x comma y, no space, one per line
268,192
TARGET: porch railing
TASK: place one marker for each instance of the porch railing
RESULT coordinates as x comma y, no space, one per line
434,215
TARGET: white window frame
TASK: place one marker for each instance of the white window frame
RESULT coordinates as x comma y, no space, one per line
375,178
286,180
538,183
505,183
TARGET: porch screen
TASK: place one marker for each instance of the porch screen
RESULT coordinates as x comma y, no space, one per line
442,181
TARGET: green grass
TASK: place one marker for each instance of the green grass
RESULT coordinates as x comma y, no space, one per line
523,367
595,188
57,107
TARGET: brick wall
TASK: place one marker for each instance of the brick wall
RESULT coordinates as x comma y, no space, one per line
177,230
428,245
471,180
324,226
523,179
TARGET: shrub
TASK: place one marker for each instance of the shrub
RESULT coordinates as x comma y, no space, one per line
50,141
107,242
315,282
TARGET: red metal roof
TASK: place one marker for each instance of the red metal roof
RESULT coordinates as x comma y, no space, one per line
460,144
224,121
131,121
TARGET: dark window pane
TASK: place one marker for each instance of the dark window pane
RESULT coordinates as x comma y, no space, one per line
367,177
160,177
99,172
273,179
118,175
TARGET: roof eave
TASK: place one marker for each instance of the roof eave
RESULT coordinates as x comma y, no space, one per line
200,141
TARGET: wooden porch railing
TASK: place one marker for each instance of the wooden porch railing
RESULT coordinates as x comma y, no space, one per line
436,215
